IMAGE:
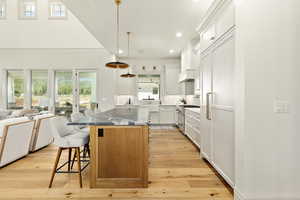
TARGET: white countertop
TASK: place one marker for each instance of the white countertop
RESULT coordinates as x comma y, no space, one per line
196,110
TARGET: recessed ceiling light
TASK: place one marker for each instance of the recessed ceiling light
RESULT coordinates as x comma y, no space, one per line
121,51
179,34
171,51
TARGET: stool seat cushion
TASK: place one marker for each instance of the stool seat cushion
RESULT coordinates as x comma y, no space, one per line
74,140
85,130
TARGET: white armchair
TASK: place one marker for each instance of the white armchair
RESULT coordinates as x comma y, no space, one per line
42,135
15,137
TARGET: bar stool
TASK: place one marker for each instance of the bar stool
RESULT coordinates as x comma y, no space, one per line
76,116
66,138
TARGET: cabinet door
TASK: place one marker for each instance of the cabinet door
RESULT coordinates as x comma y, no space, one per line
167,115
205,138
172,86
120,157
207,37
222,109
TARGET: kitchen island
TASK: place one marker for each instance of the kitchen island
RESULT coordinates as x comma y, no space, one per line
119,148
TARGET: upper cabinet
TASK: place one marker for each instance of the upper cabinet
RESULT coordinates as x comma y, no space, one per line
189,57
172,86
213,28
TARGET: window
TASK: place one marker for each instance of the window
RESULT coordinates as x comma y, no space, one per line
63,93
2,9
28,9
148,87
87,90
39,90
57,10
15,89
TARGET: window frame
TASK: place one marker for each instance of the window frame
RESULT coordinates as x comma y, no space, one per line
24,88
21,10
3,4
50,2
159,85
31,86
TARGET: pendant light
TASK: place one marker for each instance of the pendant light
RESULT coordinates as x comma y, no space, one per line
117,63
128,75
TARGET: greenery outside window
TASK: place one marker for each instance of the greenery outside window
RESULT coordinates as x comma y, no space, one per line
39,92
15,89
63,93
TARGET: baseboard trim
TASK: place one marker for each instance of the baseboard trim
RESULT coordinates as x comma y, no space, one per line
240,196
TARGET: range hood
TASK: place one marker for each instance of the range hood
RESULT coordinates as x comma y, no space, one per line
187,75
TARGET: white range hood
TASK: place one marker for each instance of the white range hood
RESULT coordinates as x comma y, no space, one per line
189,74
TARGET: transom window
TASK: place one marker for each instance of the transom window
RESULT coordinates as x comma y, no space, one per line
28,9
2,9
57,9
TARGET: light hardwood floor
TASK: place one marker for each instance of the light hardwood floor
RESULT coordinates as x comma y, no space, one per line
176,173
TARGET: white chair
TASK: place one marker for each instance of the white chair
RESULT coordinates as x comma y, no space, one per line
15,137
42,135
66,138
76,117
89,113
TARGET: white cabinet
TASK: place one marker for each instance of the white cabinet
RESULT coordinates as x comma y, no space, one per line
192,125
162,114
222,109
172,86
189,57
217,69
206,133
207,37
167,114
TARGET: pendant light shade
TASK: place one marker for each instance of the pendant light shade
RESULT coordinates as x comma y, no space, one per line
117,63
128,75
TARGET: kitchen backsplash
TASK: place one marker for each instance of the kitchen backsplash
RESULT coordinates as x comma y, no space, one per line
193,100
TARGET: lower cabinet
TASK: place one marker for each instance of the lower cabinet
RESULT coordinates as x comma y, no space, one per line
192,125
163,114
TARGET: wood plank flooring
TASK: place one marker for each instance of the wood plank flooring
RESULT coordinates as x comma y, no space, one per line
176,173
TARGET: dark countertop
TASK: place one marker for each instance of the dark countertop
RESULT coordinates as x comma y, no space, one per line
116,117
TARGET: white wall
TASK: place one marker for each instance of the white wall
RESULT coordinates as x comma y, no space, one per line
267,143
42,32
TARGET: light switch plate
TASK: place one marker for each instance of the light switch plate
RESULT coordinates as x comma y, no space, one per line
281,106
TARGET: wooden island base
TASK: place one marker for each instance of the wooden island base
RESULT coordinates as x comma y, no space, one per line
119,156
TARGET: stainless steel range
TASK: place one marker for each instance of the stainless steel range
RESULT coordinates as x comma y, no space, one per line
181,116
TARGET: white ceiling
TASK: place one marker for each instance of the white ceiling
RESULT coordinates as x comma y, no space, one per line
153,24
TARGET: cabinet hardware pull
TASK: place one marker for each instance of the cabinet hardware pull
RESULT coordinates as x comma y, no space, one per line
208,105
100,132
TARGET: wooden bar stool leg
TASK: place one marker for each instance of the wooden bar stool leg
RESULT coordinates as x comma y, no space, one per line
88,150
69,159
55,166
75,154
79,165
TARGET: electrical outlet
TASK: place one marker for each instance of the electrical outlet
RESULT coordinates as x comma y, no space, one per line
281,106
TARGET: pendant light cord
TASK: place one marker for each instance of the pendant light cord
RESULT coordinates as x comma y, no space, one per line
118,31
128,50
